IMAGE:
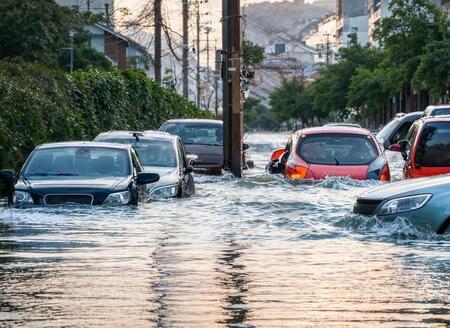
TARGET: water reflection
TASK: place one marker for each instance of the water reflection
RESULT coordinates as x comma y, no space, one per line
234,280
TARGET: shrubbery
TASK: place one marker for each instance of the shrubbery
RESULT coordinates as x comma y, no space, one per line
39,105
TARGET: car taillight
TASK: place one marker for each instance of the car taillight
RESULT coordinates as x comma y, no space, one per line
385,173
296,171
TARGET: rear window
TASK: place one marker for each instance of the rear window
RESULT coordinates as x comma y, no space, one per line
433,148
441,111
337,149
196,133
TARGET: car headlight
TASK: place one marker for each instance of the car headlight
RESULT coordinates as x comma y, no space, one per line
165,192
118,198
404,204
21,198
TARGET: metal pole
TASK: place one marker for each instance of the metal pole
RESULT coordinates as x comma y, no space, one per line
185,68
157,9
198,54
71,34
207,31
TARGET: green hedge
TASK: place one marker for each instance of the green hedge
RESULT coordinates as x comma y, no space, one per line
38,105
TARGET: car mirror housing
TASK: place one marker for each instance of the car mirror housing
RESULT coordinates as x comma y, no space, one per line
395,147
245,146
276,155
146,178
189,169
7,175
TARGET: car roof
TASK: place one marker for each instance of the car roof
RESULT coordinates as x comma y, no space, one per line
343,124
91,144
335,129
441,118
437,106
195,120
148,134
405,115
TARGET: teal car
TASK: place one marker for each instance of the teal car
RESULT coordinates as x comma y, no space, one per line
425,201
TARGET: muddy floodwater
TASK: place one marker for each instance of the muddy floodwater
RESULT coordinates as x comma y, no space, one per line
255,252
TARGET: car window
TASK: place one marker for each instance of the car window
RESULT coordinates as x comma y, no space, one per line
433,147
441,111
196,133
78,161
337,149
181,154
150,152
401,133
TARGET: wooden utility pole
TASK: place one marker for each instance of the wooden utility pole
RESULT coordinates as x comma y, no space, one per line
198,53
232,105
185,69
158,22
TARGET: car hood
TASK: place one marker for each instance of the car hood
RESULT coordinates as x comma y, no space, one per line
167,176
408,187
204,149
71,185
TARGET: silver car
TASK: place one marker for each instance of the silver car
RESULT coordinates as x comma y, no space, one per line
425,201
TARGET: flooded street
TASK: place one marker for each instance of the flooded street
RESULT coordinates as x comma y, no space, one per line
256,252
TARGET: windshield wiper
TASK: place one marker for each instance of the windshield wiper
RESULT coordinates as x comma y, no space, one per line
337,162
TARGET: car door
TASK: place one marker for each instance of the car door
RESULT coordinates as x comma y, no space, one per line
187,184
406,151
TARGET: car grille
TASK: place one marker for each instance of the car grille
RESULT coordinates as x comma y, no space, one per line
68,199
366,206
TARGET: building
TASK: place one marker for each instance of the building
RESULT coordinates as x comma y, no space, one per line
119,49
288,54
352,18
323,39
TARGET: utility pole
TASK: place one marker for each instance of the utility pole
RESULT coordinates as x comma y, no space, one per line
158,21
208,30
71,34
328,50
185,69
198,52
232,104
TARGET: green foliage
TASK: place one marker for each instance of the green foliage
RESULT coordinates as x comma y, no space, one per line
39,105
257,116
291,101
38,31
253,54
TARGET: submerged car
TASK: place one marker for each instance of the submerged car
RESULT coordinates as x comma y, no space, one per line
202,139
317,153
424,201
426,148
437,110
397,128
86,173
161,153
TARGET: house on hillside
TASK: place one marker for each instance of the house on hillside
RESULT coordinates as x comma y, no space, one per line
122,51
323,39
286,55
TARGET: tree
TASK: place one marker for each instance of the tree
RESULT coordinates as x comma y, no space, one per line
257,116
253,54
38,31
290,101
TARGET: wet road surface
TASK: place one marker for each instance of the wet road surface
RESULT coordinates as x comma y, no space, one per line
256,252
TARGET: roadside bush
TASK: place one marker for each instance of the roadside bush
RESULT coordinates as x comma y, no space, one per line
39,105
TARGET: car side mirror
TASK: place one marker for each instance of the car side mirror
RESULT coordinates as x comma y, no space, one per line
189,169
146,178
7,175
245,146
395,147
277,154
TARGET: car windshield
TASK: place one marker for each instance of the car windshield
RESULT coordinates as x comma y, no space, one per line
151,152
78,161
196,133
440,111
337,149
433,148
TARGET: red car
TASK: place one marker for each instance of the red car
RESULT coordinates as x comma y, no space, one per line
317,153
426,149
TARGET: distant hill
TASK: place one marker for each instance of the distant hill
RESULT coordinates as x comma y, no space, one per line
268,22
